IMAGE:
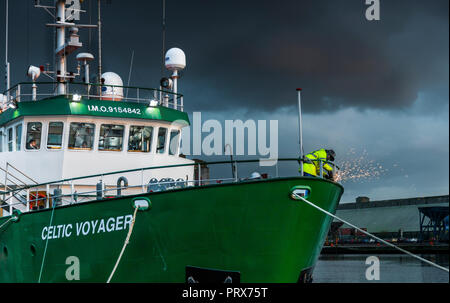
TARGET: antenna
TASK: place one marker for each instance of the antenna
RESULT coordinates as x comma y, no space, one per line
7,67
129,74
99,44
34,73
163,37
85,58
90,22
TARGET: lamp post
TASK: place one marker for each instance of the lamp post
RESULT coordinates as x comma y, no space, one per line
299,92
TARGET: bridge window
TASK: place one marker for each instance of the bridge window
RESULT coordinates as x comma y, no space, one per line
55,134
18,137
34,130
140,139
81,136
111,137
1,141
10,139
174,139
162,134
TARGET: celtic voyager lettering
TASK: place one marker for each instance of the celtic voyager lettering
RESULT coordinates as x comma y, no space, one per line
86,228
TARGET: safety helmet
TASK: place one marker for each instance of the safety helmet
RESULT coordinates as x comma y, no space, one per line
331,154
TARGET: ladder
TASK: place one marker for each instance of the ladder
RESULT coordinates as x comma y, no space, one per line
13,182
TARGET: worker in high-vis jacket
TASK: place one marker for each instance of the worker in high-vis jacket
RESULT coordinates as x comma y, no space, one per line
311,163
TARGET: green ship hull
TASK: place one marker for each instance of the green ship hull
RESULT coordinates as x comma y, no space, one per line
253,228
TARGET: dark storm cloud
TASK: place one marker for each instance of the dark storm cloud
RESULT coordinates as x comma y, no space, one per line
252,54
256,54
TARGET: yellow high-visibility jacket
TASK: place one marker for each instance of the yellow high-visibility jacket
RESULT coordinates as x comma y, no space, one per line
312,166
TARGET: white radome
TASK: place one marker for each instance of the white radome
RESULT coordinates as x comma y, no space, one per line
175,59
112,93
85,57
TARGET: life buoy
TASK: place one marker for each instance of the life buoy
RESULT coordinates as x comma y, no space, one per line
39,202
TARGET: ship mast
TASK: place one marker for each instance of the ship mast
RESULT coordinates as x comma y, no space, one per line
60,41
65,18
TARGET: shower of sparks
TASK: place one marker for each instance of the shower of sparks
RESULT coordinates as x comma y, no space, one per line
359,168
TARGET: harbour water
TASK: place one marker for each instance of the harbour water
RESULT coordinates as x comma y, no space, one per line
393,269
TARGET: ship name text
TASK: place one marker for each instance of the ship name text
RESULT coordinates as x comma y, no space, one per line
86,228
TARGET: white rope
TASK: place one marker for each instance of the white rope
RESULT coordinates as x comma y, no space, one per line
375,237
124,245
46,245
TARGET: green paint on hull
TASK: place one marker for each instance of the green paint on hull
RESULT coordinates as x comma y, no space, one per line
61,105
254,228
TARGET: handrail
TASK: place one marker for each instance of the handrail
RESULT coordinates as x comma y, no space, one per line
93,84
158,167
101,192
20,172
111,189
20,94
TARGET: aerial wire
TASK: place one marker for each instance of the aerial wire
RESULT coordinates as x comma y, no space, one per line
90,30
163,36
99,44
7,68
129,74
28,35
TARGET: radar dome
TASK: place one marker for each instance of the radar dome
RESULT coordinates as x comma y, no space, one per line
175,59
85,57
113,89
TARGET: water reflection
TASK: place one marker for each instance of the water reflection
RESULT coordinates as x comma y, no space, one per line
393,269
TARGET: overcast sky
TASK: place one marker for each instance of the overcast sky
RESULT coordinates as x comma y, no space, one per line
377,92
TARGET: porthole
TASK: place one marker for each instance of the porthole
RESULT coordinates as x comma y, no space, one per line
5,251
33,250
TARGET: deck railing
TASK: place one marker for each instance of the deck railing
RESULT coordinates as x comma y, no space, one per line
29,92
89,188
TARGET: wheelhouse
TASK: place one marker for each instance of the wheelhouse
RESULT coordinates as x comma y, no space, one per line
82,133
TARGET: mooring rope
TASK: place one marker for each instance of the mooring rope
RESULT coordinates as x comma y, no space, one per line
124,245
373,236
46,245
7,221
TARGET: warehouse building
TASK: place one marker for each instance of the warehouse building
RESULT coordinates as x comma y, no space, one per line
423,218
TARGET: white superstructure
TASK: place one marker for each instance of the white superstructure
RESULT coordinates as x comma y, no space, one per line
114,133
